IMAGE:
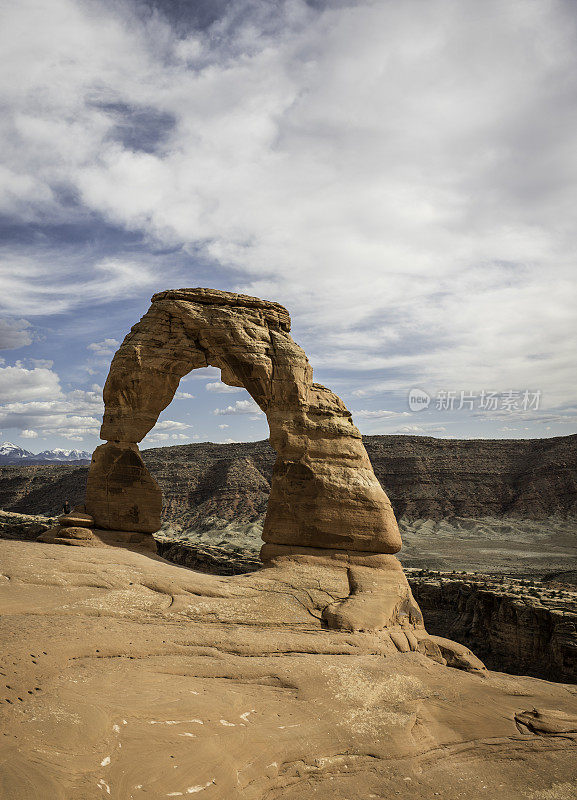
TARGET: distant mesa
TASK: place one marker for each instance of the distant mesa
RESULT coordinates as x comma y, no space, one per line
11,454
424,478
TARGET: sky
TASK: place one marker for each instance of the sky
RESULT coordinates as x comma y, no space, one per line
400,174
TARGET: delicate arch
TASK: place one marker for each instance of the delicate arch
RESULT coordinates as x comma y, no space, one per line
324,492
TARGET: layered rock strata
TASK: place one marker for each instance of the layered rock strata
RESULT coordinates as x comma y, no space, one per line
425,478
526,635
324,493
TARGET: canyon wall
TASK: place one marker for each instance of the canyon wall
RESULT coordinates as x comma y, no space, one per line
510,633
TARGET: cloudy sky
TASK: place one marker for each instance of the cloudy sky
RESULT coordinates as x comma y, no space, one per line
399,173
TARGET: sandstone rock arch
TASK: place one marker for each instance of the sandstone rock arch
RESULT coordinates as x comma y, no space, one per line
324,492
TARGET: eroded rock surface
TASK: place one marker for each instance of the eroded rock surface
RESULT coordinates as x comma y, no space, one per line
532,634
324,492
126,676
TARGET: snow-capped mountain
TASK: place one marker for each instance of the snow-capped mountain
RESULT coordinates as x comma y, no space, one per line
11,454
64,455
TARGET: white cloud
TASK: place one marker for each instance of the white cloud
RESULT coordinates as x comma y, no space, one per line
46,363
222,388
201,374
72,283
166,430
171,425
58,418
156,437
223,427
161,437
240,407
421,429
379,414
183,396
27,434
14,333
106,348
20,384
75,414
401,175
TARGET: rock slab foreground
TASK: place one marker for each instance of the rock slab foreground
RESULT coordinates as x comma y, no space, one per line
128,677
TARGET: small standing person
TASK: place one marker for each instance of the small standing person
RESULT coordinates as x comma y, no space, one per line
66,507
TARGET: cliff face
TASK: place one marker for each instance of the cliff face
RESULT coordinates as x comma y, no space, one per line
524,635
41,489
425,478
436,478
202,481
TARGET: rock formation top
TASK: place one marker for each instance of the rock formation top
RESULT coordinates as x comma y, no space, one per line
216,297
324,493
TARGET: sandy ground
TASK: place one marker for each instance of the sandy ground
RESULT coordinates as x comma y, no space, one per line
125,676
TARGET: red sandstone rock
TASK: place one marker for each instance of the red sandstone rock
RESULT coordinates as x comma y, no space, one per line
324,492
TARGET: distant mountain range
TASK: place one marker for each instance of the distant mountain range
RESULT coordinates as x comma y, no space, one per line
205,484
12,455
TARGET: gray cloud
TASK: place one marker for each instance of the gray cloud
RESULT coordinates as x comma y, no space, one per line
14,333
401,175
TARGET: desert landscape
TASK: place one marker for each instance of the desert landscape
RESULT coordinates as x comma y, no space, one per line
222,575
177,656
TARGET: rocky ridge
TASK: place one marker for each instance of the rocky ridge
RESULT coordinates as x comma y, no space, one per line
425,478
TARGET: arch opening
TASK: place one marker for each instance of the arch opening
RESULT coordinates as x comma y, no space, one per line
215,475
204,409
